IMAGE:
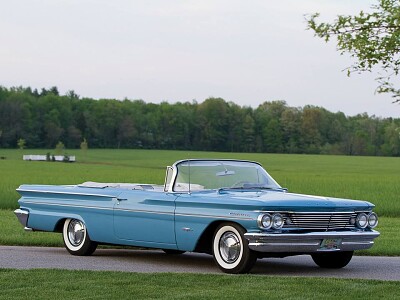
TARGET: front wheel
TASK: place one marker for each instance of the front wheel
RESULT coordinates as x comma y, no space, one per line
76,238
332,260
230,250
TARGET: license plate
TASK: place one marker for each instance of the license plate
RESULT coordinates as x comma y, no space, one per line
330,244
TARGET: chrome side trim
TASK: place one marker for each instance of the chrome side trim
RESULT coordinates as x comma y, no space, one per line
65,193
144,211
68,205
309,212
214,217
22,216
310,242
138,211
97,207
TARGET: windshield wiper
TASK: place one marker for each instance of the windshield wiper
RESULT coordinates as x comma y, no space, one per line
252,188
230,188
266,188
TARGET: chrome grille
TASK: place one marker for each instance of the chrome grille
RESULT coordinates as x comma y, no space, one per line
320,221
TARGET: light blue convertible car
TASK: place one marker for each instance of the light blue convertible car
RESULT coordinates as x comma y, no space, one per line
231,209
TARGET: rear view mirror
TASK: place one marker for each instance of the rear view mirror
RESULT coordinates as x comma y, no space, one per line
225,173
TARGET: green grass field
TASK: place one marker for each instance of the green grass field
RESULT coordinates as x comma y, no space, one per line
375,179
63,284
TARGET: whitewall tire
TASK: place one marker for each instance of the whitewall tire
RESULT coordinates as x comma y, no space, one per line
230,249
76,238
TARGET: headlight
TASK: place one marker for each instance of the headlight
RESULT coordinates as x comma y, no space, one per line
372,220
264,221
362,220
277,221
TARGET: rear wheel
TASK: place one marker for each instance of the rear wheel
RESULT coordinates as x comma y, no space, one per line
76,238
332,260
230,249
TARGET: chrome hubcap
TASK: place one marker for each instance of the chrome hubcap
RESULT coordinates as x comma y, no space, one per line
76,232
229,247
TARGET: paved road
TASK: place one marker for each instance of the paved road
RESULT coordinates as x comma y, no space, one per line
384,268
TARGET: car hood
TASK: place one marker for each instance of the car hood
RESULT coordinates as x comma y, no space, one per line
277,200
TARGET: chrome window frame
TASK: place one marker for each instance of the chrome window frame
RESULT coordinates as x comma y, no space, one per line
176,164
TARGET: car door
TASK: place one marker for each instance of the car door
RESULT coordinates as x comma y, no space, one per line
145,217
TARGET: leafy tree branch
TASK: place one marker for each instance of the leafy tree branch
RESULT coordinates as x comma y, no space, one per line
373,39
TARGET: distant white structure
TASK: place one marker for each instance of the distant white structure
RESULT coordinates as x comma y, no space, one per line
51,158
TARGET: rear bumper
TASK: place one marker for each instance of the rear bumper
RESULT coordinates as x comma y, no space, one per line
23,216
311,242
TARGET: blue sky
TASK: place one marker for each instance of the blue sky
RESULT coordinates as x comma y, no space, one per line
247,52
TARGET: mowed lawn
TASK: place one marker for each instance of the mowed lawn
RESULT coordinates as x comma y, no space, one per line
66,284
374,179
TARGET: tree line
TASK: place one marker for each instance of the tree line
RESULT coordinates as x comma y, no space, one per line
45,118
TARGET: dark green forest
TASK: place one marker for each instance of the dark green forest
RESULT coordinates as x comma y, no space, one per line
44,118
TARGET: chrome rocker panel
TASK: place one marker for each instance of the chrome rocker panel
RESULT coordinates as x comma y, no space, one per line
310,242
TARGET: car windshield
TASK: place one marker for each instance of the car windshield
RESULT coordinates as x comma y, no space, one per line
197,175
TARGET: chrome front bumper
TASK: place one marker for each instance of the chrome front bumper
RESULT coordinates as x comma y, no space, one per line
311,242
22,216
